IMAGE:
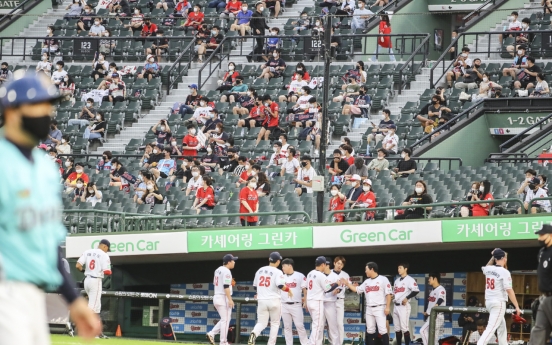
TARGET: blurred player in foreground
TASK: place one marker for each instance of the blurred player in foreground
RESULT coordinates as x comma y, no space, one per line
30,219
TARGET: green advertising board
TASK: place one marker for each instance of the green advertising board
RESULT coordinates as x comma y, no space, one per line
453,5
249,239
477,229
512,123
8,6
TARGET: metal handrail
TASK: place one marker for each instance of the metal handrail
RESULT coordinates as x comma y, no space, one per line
477,12
520,136
188,50
451,309
220,48
400,207
425,44
19,9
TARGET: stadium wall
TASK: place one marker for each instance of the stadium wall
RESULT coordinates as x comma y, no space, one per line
25,20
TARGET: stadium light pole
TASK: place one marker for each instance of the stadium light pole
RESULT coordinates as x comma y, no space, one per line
326,51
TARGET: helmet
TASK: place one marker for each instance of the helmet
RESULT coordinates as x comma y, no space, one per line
27,89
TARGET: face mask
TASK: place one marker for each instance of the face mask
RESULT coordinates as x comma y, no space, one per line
485,79
91,191
317,23
98,118
361,92
304,18
195,174
89,105
173,143
192,131
266,104
67,164
183,165
107,34
137,12
244,9
253,185
87,11
97,23
419,190
261,8
275,149
366,188
334,192
353,184
299,69
162,128
63,141
231,67
524,25
464,55
247,166
52,158
79,185
303,164
209,150
214,33
78,171
275,55
66,79
59,67
202,104
196,9
253,173
38,127
44,58
151,60
403,155
154,151
49,31
249,93
532,186
520,52
382,157
482,188
150,187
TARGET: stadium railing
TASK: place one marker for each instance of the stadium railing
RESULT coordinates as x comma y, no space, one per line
455,310
512,158
188,52
23,7
443,63
521,136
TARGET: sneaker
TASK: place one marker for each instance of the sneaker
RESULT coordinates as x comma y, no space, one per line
103,336
252,338
316,152
210,338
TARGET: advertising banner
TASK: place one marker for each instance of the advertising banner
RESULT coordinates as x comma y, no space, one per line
493,229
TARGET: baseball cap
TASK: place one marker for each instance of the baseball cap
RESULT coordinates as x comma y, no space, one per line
320,260
499,253
193,86
229,257
355,177
546,229
28,89
107,243
535,180
328,260
115,75
367,181
392,127
274,256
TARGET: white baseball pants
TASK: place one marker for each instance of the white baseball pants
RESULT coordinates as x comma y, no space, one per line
223,308
439,323
23,319
316,310
401,316
329,315
293,314
340,315
268,309
376,316
496,323
93,288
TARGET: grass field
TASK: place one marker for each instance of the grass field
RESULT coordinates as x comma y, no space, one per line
66,340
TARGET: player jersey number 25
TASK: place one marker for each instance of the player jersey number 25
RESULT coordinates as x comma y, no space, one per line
264,281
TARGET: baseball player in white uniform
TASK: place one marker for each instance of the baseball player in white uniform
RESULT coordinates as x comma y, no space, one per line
404,289
222,300
317,287
378,293
498,287
330,312
292,307
96,264
437,297
269,280
339,263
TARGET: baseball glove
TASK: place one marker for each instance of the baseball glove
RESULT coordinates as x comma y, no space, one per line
518,319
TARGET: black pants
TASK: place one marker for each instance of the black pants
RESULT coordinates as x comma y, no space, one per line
409,216
243,223
543,324
259,42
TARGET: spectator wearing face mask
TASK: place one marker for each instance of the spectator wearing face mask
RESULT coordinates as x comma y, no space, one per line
360,106
390,142
347,153
305,176
210,160
272,43
159,46
351,90
91,194
196,181
543,184
54,136
148,28
153,196
231,162
100,67
195,19
233,7
379,131
50,44
75,9
96,130
514,25
337,203
460,66
117,89
419,197
240,168
274,67
88,113
360,16
71,182
105,162
184,171
541,89
290,165
472,77
379,163
229,78
366,199
165,167
140,187
150,70
263,185
44,65
190,143
64,148
248,171
438,112
59,74
136,21
242,23
405,166
203,112
67,88
246,104
295,88
121,8
338,166
68,168
219,141
249,202
205,196
524,188
358,168
175,150
518,65
474,194
239,89
529,79
78,190
353,193
86,19
486,88
163,133
534,191
97,29
303,23
524,37
117,172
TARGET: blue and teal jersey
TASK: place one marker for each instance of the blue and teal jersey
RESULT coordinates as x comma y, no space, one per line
30,217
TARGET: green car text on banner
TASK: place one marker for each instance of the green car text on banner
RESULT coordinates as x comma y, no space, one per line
493,229
249,239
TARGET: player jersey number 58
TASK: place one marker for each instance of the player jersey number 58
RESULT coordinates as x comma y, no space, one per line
490,284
